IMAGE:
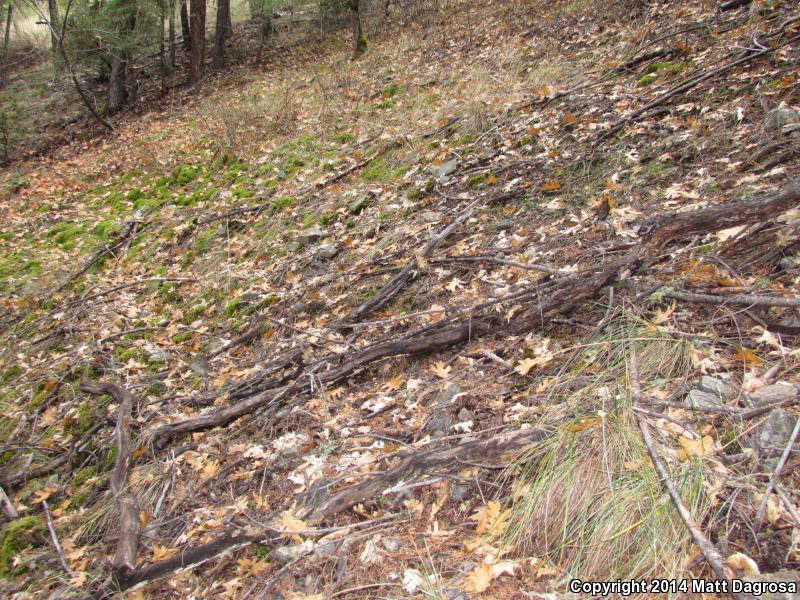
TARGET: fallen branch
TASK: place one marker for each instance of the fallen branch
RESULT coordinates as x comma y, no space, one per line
707,548
431,462
54,539
733,4
124,561
742,300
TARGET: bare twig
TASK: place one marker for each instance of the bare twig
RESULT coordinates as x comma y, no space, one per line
8,507
707,548
54,539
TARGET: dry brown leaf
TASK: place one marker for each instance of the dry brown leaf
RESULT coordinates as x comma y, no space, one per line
747,356
689,448
742,564
441,370
163,552
480,578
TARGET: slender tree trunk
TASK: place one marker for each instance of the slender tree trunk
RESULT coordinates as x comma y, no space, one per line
118,82
222,33
197,27
52,6
162,48
359,38
186,32
172,35
8,29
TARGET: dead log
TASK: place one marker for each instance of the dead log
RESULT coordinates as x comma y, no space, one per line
733,4
440,460
223,416
124,561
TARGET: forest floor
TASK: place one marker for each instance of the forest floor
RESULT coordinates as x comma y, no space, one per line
420,324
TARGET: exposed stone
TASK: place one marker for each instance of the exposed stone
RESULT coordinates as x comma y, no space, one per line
714,385
777,577
503,225
392,544
200,365
157,357
450,391
788,263
431,216
710,393
771,437
465,415
327,251
770,394
455,594
285,554
310,235
458,492
697,398
445,169
293,246
439,422
359,204
779,118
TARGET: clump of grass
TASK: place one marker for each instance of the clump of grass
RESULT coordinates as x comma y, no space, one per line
588,499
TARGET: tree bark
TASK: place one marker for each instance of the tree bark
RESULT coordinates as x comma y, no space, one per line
222,33
118,82
359,37
8,29
186,32
172,34
52,6
197,28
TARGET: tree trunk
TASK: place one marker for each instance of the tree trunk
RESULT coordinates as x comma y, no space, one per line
359,38
197,27
52,6
186,32
162,49
118,82
172,35
8,29
222,33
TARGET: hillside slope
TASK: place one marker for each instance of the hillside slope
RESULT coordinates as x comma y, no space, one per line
400,327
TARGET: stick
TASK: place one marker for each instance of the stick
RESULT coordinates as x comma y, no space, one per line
707,548
776,474
124,561
742,299
54,539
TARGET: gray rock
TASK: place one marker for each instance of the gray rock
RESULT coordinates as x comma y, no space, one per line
326,548
448,393
392,544
788,263
779,118
503,225
285,554
327,251
249,297
771,437
455,594
431,216
293,246
310,235
467,566
359,204
465,415
157,357
200,365
777,577
439,422
458,492
445,169
714,385
298,307
770,394
699,399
